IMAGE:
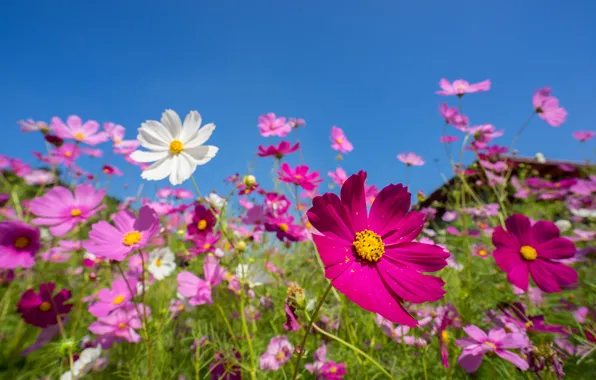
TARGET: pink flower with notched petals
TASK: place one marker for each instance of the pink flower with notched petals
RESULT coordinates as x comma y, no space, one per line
198,290
270,125
62,211
453,117
363,251
282,149
122,323
127,235
39,177
583,136
42,309
339,141
370,192
479,343
339,176
116,134
299,176
75,129
109,300
526,249
410,159
31,125
279,352
547,107
460,87
66,154
19,242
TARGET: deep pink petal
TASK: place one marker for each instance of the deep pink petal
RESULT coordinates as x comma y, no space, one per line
336,254
470,361
353,198
330,217
519,225
518,276
504,239
558,248
410,285
418,256
551,277
392,203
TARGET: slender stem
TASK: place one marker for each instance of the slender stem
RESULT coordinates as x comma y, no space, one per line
63,333
519,132
247,336
228,326
307,332
145,321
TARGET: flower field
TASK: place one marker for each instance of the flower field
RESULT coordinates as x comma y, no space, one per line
491,276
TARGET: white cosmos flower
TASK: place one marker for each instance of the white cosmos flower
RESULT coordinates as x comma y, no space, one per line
252,275
174,148
215,200
83,364
162,263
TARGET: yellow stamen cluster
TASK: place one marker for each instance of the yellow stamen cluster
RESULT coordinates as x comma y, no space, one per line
45,306
176,147
22,242
368,246
79,136
280,356
118,300
131,238
445,336
202,224
491,344
482,252
121,325
339,141
284,227
75,212
528,253
158,263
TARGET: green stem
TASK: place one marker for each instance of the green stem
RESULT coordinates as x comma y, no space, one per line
247,336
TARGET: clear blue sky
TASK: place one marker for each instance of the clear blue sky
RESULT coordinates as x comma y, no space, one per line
371,68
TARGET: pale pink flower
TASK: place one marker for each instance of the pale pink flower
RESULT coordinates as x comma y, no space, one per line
410,159
460,87
339,141
75,129
270,125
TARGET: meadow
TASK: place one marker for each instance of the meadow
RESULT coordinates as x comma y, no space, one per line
280,278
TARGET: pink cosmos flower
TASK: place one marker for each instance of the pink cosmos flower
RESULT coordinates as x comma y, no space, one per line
204,243
19,167
339,176
484,133
91,152
449,216
165,192
112,170
77,130
198,290
299,176
547,107
277,204
42,309
448,139
373,259
339,141
180,193
256,215
460,87
116,134
109,300
31,125
127,235
333,371
19,242
284,228
39,177
370,192
296,122
55,255
525,249
410,159
62,211
583,136
497,341
282,149
270,125
122,323
453,117
66,154
203,221
279,352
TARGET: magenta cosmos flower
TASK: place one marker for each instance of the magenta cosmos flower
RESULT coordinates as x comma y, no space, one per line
42,309
62,211
339,176
77,130
410,159
19,242
339,141
525,249
299,176
373,259
284,148
270,125
460,87
203,220
547,107
583,136
129,233
497,340
198,290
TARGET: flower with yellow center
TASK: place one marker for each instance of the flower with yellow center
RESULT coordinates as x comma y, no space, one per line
368,246
45,306
122,325
202,224
176,147
528,253
68,154
75,212
79,136
132,238
445,336
158,263
284,227
491,345
118,300
207,246
482,252
21,242
333,369
280,356
529,324
339,141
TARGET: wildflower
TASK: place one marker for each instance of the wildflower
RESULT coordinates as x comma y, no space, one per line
162,263
338,176
480,251
453,117
76,130
448,139
339,141
112,170
333,371
216,201
291,323
174,148
524,249
270,125
299,176
31,125
66,154
279,352
284,148
450,216
83,364
204,242
62,210
164,192
373,259
410,159
516,313
39,177
203,220
460,87
43,309
19,242
121,323
198,290
252,275
497,341
583,136
296,122
45,336
129,234
277,204
547,107
109,300
320,356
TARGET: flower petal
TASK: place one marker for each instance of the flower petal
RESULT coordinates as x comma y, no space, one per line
513,358
330,217
550,277
417,256
201,154
158,170
392,203
352,196
172,122
519,225
142,156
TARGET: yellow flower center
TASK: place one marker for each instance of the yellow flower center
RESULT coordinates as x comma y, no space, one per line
79,136
284,227
75,212
45,306
298,176
528,253
491,344
207,246
118,300
22,242
445,336
280,356
482,252
308,225
117,141
158,262
121,325
368,246
333,369
67,154
131,238
176,147
372,199
202,224
529,324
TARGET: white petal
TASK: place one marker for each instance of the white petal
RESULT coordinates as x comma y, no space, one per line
141,156
172,121
152,137
192,123
158,170
158,130
183,167
201,137
202,154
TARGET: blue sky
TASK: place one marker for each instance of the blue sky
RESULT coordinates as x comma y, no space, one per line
371,68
